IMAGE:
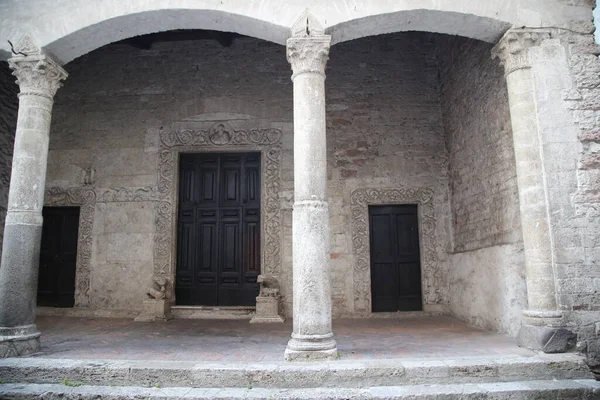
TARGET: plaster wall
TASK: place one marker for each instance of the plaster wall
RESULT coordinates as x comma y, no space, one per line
384,131
486,272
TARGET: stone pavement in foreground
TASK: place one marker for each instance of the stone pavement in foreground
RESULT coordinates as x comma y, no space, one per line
237,340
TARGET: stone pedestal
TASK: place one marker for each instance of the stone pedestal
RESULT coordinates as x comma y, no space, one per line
267,302
542,327
155,310
267,311
39,77
312,337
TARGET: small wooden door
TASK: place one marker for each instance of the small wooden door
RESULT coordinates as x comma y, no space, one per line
218,257
58,257
395,261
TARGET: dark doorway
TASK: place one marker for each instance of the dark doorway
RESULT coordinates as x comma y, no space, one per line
218,246
58,257
395,261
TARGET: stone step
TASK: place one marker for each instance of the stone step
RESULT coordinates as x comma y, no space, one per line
346,374
205,312
523,390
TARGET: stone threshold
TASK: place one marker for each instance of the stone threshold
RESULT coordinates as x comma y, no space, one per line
209,312
83,312
524,390
392,315
341,373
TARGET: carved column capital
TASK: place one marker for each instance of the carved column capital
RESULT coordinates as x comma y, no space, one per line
37,73
513,48
308,54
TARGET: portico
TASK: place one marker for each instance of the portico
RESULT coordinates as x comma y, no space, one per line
325,162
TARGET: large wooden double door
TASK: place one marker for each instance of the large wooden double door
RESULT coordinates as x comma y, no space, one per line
218,246
395,260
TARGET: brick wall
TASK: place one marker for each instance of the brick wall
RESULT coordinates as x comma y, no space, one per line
384,130
487,277
9,103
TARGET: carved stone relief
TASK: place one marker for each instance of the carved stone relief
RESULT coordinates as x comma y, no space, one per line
359,203
86,199
223,138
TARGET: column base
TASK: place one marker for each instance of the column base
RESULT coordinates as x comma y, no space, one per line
311,348
546,339
19,341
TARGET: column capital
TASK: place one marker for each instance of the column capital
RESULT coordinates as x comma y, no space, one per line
513,48
37,72
308,54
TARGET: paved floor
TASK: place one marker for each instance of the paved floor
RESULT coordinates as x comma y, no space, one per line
218,340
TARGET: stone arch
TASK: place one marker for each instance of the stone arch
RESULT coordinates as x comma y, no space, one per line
76,27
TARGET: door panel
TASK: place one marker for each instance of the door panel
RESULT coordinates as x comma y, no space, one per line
223,267
395,259
58,257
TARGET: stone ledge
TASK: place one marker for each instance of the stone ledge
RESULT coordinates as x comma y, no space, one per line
549,390
346,373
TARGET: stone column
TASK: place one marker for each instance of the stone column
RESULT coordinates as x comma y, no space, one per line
38,77
312,337
542,321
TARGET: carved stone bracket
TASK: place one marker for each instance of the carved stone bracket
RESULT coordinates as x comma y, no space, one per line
37,72
359,204
86,199
513,48
220,137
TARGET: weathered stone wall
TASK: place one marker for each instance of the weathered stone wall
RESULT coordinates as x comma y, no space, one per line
486,277
9,104
573,158
108,118
384,132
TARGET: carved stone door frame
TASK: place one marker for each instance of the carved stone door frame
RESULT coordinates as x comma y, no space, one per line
85,198
221,137
360,200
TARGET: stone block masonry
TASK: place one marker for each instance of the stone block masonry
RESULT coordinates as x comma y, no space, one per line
384,131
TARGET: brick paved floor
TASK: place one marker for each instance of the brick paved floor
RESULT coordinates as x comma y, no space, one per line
219,340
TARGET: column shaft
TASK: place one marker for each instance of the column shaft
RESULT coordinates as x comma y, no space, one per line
532,194
312,336
542,321
38,77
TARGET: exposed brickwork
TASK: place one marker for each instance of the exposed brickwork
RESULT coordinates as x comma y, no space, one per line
483,185
384,131
486,281
9,104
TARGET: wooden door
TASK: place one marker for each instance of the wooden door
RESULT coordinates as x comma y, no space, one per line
58,257
218,250
395,261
